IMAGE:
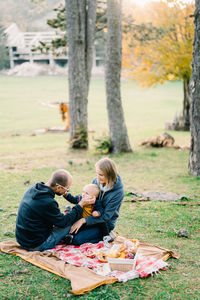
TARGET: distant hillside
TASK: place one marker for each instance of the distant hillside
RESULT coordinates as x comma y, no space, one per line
29,15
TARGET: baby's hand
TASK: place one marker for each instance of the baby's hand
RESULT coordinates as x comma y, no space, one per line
96,213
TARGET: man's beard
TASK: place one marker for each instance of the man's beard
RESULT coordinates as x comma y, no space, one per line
57,193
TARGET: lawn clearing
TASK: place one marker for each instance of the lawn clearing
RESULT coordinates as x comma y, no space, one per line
30,158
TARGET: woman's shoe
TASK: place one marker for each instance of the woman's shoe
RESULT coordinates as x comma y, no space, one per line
68,239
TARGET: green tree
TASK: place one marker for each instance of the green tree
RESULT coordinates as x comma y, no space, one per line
76,24
159,48
84,20
59,45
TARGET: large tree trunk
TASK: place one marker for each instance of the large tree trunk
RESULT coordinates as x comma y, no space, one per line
118,131
186,104
81,17
194,160
90,35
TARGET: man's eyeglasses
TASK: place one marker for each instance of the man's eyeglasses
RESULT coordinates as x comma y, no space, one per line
64,188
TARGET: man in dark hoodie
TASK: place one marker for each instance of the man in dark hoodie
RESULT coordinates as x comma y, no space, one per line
40,225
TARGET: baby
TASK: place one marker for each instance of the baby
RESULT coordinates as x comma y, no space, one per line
90,190
95,210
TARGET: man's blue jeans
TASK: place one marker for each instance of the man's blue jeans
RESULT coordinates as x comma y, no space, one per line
54,238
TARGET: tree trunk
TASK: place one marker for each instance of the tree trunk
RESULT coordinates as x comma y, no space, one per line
186,104
194,160
118,131
90,31
81,17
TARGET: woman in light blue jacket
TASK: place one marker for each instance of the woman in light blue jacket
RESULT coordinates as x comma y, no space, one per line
90,229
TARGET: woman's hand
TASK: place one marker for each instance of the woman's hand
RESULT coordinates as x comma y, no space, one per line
76,226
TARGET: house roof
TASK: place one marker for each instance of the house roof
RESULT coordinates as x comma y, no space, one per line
28,40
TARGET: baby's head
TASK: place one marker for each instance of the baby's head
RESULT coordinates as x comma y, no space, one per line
90,190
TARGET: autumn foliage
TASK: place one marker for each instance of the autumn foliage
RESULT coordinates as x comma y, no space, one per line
159,46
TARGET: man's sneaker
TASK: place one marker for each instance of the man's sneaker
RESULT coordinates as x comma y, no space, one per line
68,239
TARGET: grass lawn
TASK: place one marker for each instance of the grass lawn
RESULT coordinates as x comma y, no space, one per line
24,156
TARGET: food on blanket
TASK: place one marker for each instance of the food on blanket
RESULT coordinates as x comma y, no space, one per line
117,251
132,250
132,245
90,253
102,257
122,255
114,254
136,242
126,250
122,248
129,255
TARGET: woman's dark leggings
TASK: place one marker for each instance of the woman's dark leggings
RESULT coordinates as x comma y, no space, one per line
92,235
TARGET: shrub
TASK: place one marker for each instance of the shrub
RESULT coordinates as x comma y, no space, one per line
80,139
103,145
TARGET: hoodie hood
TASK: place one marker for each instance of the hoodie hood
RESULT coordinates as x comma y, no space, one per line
38,190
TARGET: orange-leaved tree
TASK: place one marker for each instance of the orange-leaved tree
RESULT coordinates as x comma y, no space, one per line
158,47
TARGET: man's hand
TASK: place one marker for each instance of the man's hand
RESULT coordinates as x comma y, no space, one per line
76,226
87,201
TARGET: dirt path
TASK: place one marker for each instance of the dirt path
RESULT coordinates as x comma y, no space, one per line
28,161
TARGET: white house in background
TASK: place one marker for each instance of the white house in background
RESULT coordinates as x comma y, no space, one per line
20,44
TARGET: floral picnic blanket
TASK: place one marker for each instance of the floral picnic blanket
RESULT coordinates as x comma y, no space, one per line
77,256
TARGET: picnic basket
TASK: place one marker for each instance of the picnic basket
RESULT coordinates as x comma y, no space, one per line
121,264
